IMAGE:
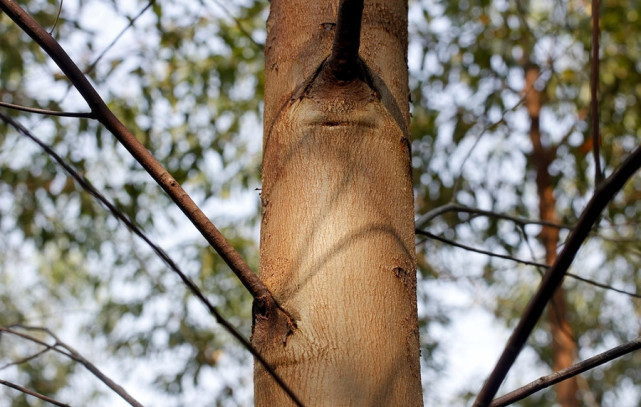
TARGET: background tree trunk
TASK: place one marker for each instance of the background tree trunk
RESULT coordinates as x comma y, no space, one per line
563,344
337,236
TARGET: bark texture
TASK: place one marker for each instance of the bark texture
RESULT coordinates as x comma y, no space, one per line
337,237
563,345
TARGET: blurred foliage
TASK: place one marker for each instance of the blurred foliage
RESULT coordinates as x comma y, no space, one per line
187,78
471,147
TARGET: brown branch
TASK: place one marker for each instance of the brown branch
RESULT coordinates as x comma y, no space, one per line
213,236
86,185
343,61
33,393
554,275
71,353
80,115
594,89
567,373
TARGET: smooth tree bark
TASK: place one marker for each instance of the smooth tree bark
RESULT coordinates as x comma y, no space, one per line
563,343
337,236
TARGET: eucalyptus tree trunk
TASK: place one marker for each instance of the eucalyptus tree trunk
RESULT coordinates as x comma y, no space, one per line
563,343
337,237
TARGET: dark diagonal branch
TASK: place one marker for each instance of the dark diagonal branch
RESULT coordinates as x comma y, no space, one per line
343,62
64,349
578,368
33,393
553,277
594,93
249,279
80,115
86,185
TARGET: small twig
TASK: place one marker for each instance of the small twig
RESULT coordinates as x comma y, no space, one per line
343,61
80,115
424,219
131,23
239,24
73,354
26,359
55,23
604,286
553,277
86,185
33,393
594,89
566,373
522,261
480,251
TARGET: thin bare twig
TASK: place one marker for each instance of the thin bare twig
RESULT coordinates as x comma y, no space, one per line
86,185
480,251
553,277
55,23
424,219
131,23
522,261
26,359
239,24
73,354
80,115
594,93
567,373
34,394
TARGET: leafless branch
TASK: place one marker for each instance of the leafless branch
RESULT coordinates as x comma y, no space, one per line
239,23
113,42
33,393
26,359
86,185
424,219
55,23
80,115
594,93
522,261
475,250
213,236
343,61
567,373
553,277
73,354
604,286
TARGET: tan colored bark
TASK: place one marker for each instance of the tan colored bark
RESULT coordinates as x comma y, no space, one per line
564,347
337,237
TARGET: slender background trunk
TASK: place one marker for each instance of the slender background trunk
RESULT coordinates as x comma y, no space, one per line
564,347
337,237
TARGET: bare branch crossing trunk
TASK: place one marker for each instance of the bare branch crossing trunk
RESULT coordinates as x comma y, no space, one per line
337,237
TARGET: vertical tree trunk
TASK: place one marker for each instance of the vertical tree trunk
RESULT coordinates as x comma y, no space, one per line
563,344
337,236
